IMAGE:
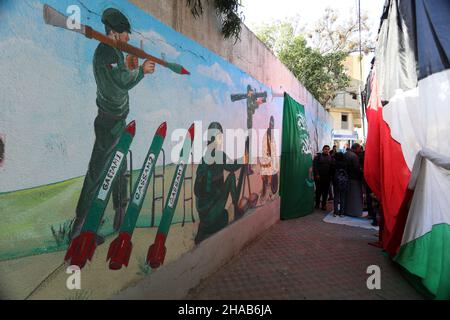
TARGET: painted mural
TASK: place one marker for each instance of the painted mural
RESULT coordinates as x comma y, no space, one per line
123,145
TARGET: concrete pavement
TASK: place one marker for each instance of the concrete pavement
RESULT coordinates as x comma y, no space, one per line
306,258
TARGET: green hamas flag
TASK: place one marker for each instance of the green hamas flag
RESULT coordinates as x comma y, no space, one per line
296,184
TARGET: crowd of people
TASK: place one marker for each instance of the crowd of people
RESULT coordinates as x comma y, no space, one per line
339,176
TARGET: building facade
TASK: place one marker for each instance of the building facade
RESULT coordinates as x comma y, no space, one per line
345,109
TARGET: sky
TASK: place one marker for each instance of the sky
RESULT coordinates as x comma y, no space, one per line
259,11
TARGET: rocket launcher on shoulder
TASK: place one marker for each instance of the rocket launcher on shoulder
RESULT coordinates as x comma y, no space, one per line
57,19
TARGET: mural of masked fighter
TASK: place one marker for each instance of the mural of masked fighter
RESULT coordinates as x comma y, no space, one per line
114,76
269,164
211,189
254,100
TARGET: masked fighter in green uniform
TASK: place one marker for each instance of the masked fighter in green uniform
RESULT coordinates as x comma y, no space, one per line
114,77
211,189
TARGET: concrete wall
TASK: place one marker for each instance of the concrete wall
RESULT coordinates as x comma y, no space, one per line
248,54
253,57
176,279
47,127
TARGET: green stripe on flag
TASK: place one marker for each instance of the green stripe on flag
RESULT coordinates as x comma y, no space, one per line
428,257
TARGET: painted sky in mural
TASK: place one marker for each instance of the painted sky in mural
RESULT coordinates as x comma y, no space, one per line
50,104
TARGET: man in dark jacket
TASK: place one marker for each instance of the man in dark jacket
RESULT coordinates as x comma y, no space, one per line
322,167
354,202
340,183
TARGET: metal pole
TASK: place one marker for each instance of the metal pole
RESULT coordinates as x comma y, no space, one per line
361,73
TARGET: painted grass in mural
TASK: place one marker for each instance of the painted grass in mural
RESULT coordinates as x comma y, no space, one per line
32,214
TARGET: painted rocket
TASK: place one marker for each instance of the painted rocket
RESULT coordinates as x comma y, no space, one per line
157,251
82,248
120,249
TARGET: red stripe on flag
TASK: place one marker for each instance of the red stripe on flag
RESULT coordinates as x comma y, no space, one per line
387,173
395,177
372,158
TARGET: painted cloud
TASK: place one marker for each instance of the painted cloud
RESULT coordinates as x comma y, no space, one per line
215,72
156,41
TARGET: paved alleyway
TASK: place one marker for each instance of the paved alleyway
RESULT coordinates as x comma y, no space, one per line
307,259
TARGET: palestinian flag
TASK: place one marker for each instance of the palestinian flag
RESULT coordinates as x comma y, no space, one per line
408,148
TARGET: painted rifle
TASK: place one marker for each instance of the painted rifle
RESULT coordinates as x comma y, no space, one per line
251,96
120,249
82,248
57,19
157,251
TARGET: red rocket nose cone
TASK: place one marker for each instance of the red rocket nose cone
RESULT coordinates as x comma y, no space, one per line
162,130
184,71
192,131
131,128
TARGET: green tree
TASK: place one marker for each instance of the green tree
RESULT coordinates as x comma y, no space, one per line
322,74
335,32
227,10
315,55
276,35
